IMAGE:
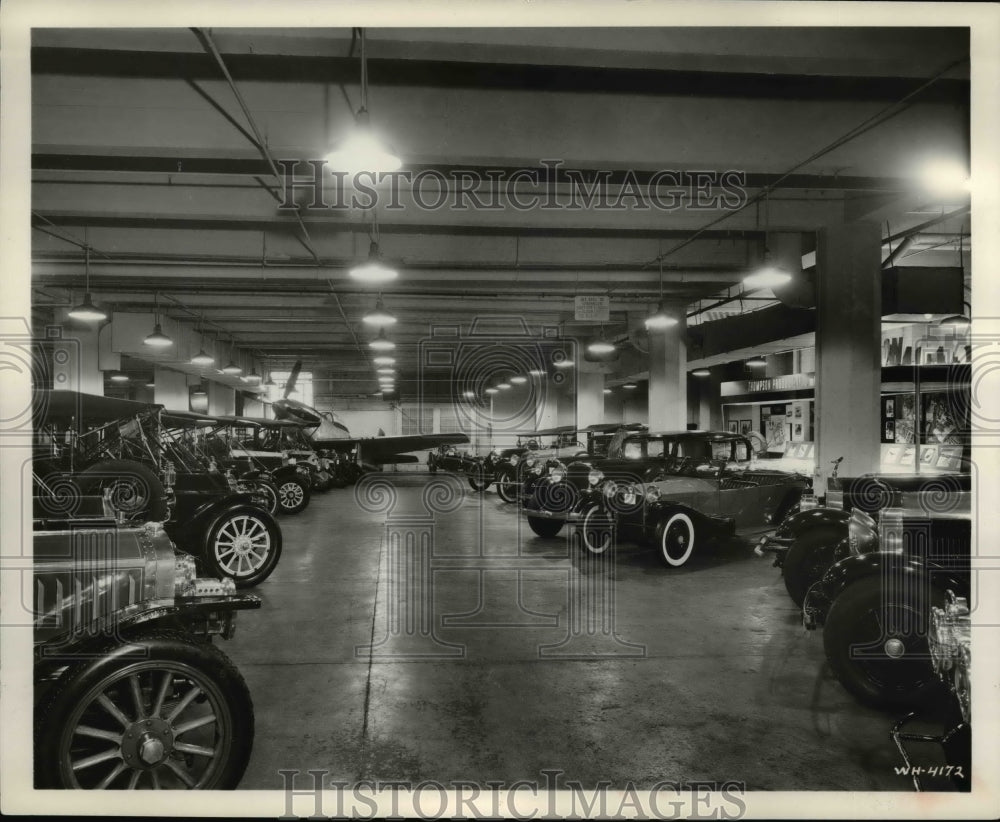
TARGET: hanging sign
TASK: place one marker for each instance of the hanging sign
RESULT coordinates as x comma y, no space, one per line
596,308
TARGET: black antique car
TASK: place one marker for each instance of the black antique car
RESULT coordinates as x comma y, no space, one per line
874,605
232,442
280,443
808,542
690,501
570,443
130,693
637,459
86,444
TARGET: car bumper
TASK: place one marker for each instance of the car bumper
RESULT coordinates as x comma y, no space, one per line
815,608
771,544
570,517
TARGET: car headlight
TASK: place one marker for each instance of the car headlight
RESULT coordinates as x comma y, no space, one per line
169,474
557,475
537,470
184,574
862,532
653,493
514,459
610,488
595,476
531,462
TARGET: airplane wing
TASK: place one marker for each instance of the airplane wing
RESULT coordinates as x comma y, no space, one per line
382,450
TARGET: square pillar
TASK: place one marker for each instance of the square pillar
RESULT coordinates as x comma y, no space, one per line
589,397
848,337
667,400
76,361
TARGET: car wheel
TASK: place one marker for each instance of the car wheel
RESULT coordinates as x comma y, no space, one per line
676,538
875,647
544,527
597,530
293,495
807,560
244,545
132,488
269,491
507,486
161,712
478,480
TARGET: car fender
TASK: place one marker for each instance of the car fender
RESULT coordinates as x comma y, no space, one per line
285,472
661,510
908,572
797,524
190,535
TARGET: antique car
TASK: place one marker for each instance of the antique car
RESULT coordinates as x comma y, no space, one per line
148,475
231,442
197,435
950,643
639,458
805,544
290,440
129,691
690,501
567,447
874,605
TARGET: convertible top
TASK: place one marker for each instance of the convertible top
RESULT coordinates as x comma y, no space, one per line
608,427
50,407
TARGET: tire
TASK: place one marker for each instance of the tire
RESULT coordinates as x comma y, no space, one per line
806,561
597,530
245,545
270,491
72,704
136,491
507,486
880,681
675,537
478,481
293,495
544,527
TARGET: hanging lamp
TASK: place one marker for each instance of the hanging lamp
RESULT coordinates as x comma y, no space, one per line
86,310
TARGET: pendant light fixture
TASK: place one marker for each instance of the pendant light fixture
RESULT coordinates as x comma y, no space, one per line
202,357
373,270
701,372
768,275
231,368
379,315
86,310
601,345
518,380
630,386
119,376
381,342
157,339
384,360
757,362
362,150
660,319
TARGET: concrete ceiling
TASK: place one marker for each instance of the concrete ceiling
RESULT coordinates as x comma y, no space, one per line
142,151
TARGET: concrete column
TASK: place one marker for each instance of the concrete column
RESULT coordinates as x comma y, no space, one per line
589,396
848,330
76,365
709,403
668,378
221,399
171,389
436,419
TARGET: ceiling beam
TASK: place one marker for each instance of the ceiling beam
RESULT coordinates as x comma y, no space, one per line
454,74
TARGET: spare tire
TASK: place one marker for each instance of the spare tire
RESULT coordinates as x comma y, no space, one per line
135,490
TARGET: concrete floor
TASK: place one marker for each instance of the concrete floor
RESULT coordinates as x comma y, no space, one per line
473,659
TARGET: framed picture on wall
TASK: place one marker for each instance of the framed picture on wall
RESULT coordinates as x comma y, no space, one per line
746,426
734,426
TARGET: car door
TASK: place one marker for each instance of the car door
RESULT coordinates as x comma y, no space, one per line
740,491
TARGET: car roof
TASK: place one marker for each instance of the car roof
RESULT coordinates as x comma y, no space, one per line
697,435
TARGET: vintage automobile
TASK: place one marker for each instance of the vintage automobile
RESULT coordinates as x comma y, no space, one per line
500,465
689,502
808,542
874,605
147,475
572,444
197,436
290,439
642,457
130,692
230,441
950,643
